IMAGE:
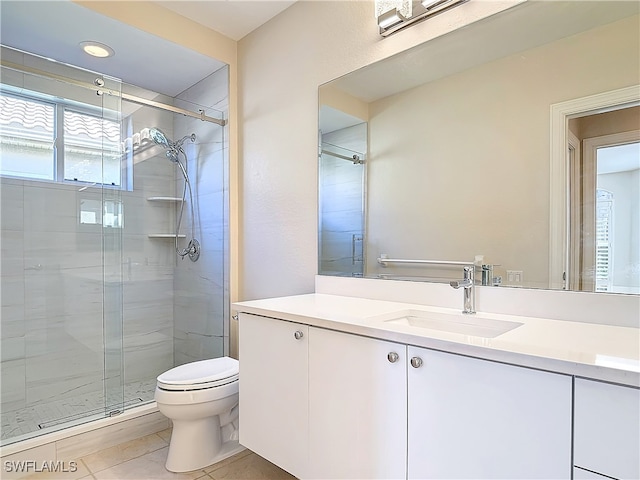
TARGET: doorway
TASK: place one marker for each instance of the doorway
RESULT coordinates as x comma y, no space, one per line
604,182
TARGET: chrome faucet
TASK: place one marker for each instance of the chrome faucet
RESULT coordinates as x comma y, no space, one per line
469,290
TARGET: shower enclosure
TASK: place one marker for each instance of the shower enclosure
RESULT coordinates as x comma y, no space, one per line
95,301
341,197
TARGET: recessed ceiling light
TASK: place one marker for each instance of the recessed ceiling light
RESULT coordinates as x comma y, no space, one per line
96,49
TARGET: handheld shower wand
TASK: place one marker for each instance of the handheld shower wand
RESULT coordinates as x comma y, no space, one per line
174,149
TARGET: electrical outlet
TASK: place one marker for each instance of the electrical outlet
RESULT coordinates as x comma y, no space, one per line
514,276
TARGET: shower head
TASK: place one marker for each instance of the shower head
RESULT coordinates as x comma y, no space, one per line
172,154
173,148
159,137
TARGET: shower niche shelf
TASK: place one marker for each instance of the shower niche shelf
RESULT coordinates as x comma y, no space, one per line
164,199
165,235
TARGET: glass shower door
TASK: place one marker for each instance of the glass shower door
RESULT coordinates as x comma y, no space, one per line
61,249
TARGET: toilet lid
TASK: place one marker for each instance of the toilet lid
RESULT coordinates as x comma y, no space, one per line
214,371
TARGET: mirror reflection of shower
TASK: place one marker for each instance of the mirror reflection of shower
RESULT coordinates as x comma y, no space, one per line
173,152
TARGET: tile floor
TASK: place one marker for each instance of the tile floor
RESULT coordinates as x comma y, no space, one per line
143,459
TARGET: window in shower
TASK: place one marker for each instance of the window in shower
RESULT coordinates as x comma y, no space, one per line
82,147
27,133
91,149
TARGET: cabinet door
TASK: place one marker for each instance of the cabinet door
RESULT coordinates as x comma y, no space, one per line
471,418
607,429
357,407
274,391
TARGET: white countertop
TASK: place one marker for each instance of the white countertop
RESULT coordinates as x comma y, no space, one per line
597,351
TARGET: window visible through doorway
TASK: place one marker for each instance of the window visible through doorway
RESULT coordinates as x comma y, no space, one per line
604,240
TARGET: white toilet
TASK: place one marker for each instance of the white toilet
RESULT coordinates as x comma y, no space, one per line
201,400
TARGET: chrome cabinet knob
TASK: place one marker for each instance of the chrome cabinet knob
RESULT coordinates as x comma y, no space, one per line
298,334
393,357
416,362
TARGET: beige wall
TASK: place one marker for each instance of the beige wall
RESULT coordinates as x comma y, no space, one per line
281,66
460,166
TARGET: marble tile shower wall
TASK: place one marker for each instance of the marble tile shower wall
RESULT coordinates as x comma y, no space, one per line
147,287
201,295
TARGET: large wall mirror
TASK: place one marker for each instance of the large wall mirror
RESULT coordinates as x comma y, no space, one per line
445,152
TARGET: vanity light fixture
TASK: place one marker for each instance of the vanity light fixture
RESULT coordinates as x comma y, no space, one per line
391,21
390,18
392,12
97,49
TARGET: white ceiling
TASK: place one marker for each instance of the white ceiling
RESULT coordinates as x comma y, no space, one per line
232,18
141,59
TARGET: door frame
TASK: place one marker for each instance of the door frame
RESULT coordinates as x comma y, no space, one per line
571,254
558,168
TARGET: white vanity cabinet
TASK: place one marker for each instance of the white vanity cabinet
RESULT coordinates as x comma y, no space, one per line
274,390
606,430
327,404
471,418
357,407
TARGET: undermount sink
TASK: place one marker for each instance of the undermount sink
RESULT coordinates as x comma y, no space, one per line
454,323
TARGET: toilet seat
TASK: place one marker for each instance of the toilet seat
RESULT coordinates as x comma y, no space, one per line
200,375
197,386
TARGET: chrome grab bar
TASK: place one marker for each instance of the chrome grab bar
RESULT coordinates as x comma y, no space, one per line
383,260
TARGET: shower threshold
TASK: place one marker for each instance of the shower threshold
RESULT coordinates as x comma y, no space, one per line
111,412
37,419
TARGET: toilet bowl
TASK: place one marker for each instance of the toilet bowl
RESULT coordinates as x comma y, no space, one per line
201,400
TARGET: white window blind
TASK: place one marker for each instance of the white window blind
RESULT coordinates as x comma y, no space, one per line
604,240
